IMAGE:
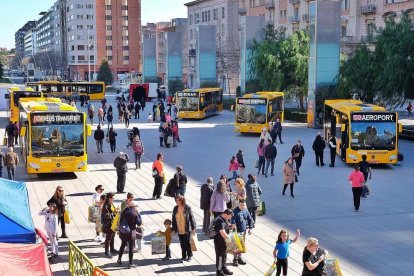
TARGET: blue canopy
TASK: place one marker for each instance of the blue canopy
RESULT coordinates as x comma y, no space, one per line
16,224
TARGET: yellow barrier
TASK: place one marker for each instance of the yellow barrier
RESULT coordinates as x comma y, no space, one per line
80,264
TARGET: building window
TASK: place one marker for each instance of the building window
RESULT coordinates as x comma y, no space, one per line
109,48
197,18
108,17
343,31
79,27
109,58
202,16
79,6
215,14
108,7
345,4
89,16
109,37
72,47
92,58
252,3
125,28
125,48
109,27
81,47
370,28
124,17
223,12
79,16
81,57
124,37
72,58
124,7
126,58
89,6
191,19
209,18
191,34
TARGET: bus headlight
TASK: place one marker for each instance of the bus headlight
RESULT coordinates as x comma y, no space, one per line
352,156
34,166
392,157
81,164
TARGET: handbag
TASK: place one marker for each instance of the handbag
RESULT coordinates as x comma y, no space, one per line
5,141
155,173
256,165
66,216
169,140
194,242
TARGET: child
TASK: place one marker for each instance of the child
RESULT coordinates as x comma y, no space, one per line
51,224
149,118
233,167
281,251
168,237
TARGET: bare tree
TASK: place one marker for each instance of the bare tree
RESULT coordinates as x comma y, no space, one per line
227,57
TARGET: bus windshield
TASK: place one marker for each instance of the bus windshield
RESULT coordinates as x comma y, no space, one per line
187,102
373,135
251,111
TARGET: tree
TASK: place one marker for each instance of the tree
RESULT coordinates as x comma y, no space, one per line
104,73
208,84
227,57
174,86
1,70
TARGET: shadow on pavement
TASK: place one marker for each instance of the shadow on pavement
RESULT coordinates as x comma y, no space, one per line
203,268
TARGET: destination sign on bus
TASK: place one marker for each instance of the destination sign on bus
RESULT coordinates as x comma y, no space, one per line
187,94
251,101
54,118
373,117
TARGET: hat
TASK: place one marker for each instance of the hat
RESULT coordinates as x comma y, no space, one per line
132,204
228,212
319,133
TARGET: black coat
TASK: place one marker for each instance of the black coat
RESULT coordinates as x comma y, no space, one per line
206,193
189,219
298,150
99,135
107,217
120,163
60,204
180,179
270,151
319,144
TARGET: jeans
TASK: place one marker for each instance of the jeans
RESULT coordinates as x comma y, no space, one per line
206,220
261,164
100,120
185,245
110,124
298,162
126,238
99,144
252,211
180,190
120,184
10,172
279,133
234,175
137,160
319,158
113,146
357,191
270,162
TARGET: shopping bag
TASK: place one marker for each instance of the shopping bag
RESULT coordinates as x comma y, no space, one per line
194,242
256,165
92,213
233,244
365,190
242,239
158,245
270,270
115,222
4,141
332,268
66,216
261,211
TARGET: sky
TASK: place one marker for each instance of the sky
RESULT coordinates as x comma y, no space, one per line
15,13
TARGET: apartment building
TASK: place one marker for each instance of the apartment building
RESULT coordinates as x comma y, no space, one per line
149,59
223,15
149,30
20,35
162,28
30,42
253,7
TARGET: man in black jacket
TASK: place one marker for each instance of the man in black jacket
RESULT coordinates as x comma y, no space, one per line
318,146
99,135
270,156
180,180
206,193
277,130
10,130
332,148
298,152
120,163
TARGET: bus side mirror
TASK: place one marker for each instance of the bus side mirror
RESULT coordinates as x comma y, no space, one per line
23,131
7,96
343,126
88,130
400,127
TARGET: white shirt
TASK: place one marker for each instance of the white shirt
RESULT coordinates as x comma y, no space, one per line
96,198
51,221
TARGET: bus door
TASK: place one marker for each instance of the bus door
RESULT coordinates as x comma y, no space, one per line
344,139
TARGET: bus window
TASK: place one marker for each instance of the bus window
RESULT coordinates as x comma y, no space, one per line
205,100
95,88
81,88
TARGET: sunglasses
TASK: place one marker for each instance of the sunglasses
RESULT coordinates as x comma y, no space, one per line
61,191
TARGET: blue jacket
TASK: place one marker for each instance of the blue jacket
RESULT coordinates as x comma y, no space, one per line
242,219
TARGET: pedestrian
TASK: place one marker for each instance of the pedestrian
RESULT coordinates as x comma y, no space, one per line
149,120
59,200
158,174
91,113
16,133
168,140
120,114
138,148
82,100
277,128
240,160
142,104
175,111
11,162
129,217
96,203
239,193
51,225
161,134
265,136
104,108
410,109
180,180
356,179
288,176
318,146
10,134
137,108
281,251
108,214
174,129
110,117
206,191
121,165
298,153
183,223
111,136
365,168
168,238
253,192
99,135
154,111
233,167
2,163
223,177
270,154
100,115
241,221
261,154
219,199
313,258
126,117
221,227
332,149
129,198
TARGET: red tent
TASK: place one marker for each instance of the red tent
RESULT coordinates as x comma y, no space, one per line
24,259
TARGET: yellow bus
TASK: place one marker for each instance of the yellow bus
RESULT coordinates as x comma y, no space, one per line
258,110
53,136
362,129
58,89
14,95
199,103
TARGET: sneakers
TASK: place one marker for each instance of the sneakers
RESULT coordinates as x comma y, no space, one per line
97,238
131,265
64,236
119,262
235,263
226,271
220,273
241,261
109,255
292,196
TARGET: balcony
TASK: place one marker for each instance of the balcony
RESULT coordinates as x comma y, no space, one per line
192,52
368,39
368,9
293,2
242,11
270,4
294,19
305,17
348,39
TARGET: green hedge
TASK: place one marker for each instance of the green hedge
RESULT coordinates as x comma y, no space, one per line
296,115
5,80
228,102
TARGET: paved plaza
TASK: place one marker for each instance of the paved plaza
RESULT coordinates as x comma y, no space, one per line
375,241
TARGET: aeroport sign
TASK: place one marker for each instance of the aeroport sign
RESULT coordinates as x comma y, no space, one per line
373,117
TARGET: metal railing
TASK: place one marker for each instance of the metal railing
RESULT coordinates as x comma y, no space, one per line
80,264
294,19
270,4
294,1
368,9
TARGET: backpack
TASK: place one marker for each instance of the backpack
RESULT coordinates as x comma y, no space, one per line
137,146
124,226
212,232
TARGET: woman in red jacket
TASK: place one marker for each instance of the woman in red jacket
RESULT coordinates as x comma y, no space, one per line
356,179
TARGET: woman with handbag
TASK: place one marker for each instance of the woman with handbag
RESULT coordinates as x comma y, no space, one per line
219,199
59,199
288,176
108,214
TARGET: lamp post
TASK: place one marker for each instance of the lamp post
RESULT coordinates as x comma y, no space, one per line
89,60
